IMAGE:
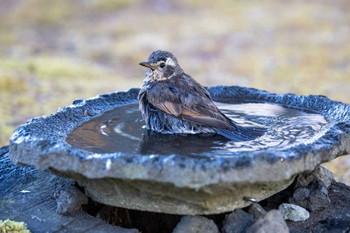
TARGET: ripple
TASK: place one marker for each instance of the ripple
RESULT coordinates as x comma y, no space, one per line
121,130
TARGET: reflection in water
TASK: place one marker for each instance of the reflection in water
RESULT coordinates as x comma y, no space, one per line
121,130
186,144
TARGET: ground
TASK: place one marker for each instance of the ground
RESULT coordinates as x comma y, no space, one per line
52,52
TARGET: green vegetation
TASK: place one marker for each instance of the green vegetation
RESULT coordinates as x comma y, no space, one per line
8,226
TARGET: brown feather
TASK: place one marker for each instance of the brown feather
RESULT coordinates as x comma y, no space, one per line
170,108
206,120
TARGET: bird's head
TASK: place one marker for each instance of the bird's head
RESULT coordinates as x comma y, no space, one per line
163,65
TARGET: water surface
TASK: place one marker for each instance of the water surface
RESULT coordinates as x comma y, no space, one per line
122,130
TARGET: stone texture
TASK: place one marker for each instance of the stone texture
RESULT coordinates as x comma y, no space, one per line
300,197
320,173
69,200
172,183
273,222
311,189
293,212
37,209
312,197
26,195
165,198
335,218
237,222
257,211
196,224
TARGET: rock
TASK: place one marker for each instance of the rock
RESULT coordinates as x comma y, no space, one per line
293,212
237,222
318,198
314,197
257,211
196,224
69,200
26,196
273,222
204,183
4,150
320,173
312,189
165,198
301,197
335,218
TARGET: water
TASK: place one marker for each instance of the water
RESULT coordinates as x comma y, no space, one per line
122,130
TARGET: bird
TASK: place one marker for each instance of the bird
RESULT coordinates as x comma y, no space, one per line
172,102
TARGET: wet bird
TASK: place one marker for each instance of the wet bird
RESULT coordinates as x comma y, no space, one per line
171,102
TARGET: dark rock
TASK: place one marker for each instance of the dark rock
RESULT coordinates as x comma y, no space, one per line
320,173
293,212
301,197
312,189
319,198
196,224
237,222
335,218
273,222
257,211
313,197
69,200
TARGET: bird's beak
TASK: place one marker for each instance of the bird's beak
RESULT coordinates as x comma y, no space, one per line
148,65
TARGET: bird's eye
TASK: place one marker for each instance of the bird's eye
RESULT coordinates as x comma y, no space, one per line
161,65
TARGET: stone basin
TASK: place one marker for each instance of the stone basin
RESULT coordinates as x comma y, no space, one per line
100,143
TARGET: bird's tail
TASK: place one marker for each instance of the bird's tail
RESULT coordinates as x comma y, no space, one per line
240,133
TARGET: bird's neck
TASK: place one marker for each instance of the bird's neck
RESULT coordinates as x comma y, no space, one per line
157,76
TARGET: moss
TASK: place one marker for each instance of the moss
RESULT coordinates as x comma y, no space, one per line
109,5
62,67
12,84
44,13
7,37
8,226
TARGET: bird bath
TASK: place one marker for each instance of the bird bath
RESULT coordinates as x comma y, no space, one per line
100,143
121,130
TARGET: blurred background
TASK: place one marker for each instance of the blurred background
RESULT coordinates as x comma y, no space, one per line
52,52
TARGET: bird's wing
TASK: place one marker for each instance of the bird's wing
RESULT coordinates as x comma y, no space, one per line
196,109
210,117
170,107
194,105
